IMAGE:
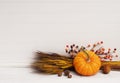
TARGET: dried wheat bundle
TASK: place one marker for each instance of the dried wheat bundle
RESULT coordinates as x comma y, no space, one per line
51,63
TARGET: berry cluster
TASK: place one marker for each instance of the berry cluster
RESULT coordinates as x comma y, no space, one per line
72,50
97,48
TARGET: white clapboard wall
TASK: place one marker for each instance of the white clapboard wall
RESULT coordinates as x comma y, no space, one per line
27,26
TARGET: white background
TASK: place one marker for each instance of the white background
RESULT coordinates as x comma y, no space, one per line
48,25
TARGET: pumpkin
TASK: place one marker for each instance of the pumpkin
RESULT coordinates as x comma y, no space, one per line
86,63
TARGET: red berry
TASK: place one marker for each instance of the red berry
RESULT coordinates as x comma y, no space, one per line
105,57
116,56
109,49
109,56
103,49
101,42
115,49
94,45
98,43
88,45
77,46
92,50
73,45
67,46
110,59
66,50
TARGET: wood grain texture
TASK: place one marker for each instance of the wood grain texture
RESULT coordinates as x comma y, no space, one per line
48,25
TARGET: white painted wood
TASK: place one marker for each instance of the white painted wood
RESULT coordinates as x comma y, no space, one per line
48,25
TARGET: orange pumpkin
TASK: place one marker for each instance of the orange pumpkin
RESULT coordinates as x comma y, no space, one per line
87,63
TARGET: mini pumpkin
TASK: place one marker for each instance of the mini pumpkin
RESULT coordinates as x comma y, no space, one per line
86,63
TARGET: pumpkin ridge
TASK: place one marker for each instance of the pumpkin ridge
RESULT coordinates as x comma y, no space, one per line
87,69
93,68
90,69
82,69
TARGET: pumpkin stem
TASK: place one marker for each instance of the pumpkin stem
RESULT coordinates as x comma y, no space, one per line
83,49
